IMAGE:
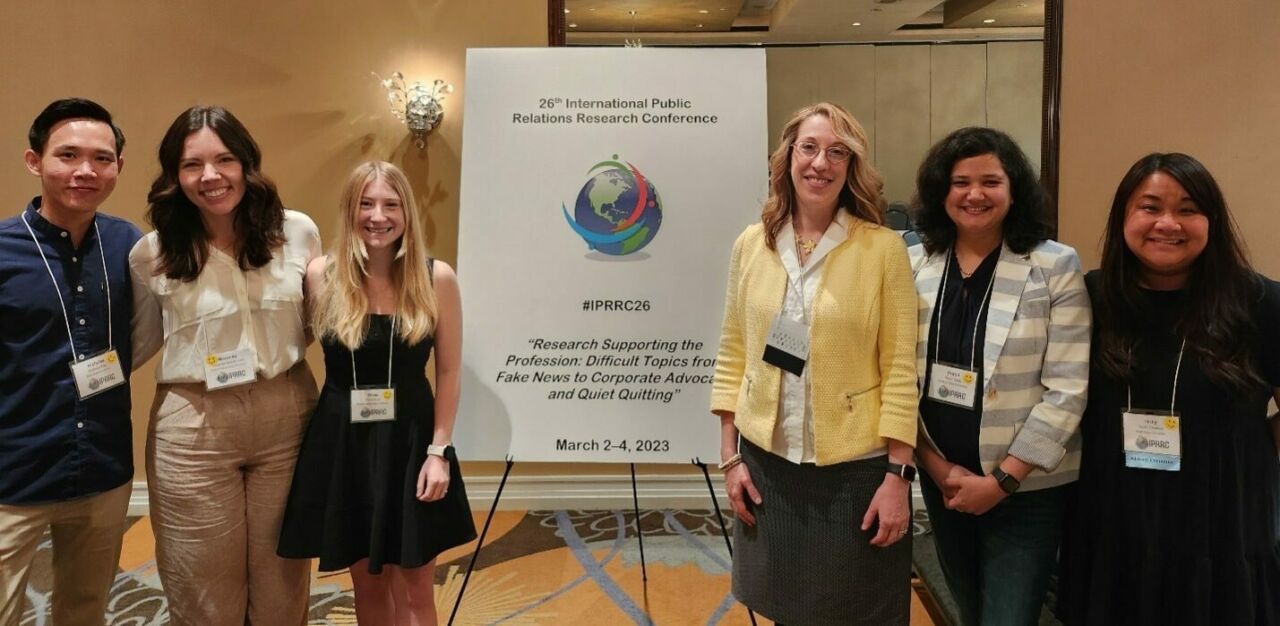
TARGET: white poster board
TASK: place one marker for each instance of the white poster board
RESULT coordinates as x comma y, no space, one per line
602,190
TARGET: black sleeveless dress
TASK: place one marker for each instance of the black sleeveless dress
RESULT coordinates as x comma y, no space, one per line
354,488
1197,546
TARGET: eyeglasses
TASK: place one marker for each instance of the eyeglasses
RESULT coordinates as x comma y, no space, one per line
810,150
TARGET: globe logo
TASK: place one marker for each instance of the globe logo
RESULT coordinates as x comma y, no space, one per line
618,210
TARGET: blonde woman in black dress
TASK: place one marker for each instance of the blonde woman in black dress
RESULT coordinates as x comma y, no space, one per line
377,488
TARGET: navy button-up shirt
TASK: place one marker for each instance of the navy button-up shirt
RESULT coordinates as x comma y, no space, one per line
54,446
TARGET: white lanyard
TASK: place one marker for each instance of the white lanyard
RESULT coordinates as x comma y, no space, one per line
58,290
1176,371
942,297
804,305
391,351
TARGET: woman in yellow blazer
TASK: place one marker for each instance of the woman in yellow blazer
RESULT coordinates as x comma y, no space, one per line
815,387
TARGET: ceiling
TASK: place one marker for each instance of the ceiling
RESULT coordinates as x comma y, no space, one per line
737,22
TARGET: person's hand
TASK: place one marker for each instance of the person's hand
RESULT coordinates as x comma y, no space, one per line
944,472
738,486
890,506
973,494
433,479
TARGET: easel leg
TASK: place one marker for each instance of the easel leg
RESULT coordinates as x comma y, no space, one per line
724,532
457,602
635,501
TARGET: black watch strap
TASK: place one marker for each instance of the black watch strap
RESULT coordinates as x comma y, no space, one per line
907,472
1008,483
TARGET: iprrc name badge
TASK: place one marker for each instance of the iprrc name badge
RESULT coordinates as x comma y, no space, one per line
97,373
228,369
1152,440
375,404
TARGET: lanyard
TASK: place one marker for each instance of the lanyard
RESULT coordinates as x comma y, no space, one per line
391,351
942,297
804,268
58,290
1176,371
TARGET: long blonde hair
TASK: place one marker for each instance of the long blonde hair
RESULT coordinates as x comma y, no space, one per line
341,307
863,185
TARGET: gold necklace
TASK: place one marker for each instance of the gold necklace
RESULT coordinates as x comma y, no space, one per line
806,245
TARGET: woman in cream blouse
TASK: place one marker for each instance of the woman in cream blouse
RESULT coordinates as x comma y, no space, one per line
218,292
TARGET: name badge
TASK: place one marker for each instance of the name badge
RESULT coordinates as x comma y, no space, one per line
97,373
787,346
376,404
1153,440
228,369
953,385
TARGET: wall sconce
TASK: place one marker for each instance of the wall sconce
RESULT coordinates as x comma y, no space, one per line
417,105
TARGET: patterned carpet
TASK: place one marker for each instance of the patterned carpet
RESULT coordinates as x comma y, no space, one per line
537,567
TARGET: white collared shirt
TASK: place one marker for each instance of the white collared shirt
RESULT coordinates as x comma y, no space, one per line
190,320
793,432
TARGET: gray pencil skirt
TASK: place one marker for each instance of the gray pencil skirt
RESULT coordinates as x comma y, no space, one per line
806,561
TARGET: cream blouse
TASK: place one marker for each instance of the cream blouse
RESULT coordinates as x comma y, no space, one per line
793,432
224,308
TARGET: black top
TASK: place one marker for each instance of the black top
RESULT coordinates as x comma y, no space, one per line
54,446
1196,546
951,340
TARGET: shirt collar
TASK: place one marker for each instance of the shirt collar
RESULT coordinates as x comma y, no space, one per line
51,230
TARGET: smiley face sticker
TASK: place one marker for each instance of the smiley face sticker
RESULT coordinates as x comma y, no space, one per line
212,359
1170,423
111,357
386,395
967,378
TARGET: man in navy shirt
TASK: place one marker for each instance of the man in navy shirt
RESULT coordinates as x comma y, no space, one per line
66,460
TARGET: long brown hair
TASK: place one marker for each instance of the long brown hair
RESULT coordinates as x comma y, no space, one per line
863,185
1221,290
259,218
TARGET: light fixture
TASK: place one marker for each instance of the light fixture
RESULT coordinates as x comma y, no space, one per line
703,11
699,25
419,107
856,24
574,25
989,20
566,10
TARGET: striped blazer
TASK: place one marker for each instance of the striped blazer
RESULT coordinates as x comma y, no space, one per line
1035,366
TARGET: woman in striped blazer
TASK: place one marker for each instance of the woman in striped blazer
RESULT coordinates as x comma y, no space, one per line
1003,360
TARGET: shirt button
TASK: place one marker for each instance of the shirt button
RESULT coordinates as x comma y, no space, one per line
82,357
63,234
75,259
79,288
82,321
79,424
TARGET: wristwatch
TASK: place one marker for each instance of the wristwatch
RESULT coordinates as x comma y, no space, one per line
1007,483
906,472
434,450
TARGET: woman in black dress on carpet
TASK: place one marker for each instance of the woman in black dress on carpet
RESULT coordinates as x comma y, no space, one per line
1178,512
377,486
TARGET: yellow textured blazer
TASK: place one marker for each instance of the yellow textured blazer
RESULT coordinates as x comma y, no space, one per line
862,344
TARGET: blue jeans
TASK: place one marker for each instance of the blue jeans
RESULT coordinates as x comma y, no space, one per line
998,565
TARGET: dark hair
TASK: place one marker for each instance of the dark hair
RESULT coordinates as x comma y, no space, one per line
259,218
1024,226
70,109
1221,289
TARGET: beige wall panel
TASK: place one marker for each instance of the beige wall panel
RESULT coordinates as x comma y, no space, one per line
1176,75
958,84
1015,87
902,116
799,76
297,74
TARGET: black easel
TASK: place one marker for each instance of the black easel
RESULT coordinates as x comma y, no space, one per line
635,501
724,532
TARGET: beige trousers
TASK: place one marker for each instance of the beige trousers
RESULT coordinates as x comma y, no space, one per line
86,535
219,465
